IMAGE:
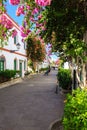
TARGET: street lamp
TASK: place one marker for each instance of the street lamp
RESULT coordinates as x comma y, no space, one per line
18,47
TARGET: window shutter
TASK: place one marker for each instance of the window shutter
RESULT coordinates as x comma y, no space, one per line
15,40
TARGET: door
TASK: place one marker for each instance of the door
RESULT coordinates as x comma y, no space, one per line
1,65
20,69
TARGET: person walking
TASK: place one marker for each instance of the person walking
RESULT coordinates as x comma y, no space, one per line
48,71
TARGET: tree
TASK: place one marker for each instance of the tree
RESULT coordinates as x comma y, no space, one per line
65,28
35,49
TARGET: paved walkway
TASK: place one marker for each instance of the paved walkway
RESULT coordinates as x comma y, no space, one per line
31,104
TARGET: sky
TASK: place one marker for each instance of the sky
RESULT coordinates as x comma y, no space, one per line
54,57
11,11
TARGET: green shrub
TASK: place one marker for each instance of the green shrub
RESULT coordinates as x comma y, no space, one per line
75,111
64,78
7,74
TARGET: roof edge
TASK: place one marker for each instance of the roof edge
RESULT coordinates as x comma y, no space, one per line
14,23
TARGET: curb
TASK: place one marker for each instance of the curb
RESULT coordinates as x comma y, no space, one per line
9,83
54,123
15,81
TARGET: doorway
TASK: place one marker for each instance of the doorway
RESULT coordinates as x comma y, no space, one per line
20,67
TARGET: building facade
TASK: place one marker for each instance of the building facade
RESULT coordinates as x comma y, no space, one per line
10,57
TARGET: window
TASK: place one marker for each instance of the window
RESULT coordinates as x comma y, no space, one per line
1,65
15,64
15,40
24,45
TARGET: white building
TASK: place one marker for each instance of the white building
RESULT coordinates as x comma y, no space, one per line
10,57
66,65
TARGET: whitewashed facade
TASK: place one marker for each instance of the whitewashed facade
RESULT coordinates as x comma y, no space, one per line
16,59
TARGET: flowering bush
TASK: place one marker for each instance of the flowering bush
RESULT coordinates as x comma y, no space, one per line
14,2
43,2
6,28
35,49
20,10
5,22
33,17
39,2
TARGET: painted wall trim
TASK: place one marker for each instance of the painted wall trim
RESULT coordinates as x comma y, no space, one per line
13,52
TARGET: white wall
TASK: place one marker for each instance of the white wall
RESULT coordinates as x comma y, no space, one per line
66,65
19,55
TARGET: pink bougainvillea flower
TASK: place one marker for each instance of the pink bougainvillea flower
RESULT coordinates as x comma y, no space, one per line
21,28
28,7
5,22
24,32
40,16
20,10
17,13
25,23
28,31
43,2
8,25
3,34
35,11
14,33
43,28
38,25
41,40
14,2
32,19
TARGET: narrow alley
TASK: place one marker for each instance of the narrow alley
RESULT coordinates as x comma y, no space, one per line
31,104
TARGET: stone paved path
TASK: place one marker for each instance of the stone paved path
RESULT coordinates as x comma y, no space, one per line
30,105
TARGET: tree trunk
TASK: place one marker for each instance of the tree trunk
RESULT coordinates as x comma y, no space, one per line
84,74
34,65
